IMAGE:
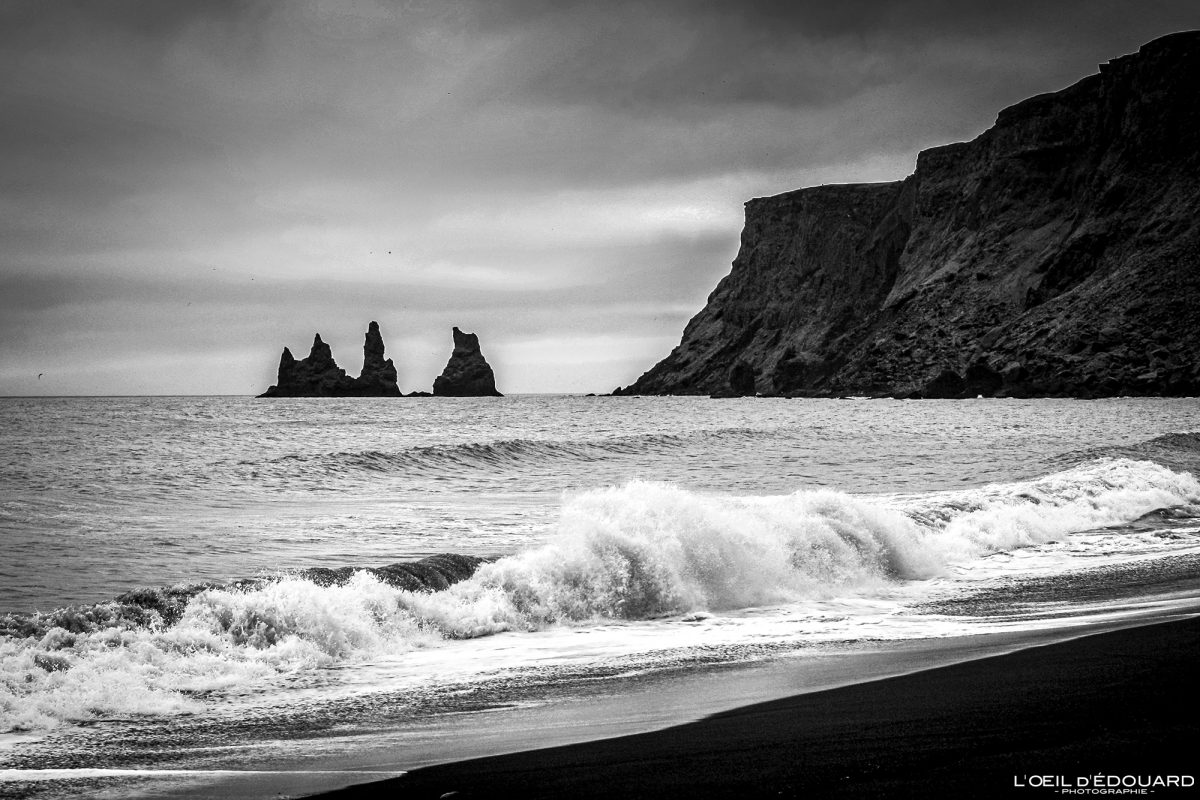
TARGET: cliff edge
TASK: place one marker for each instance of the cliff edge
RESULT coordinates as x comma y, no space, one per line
1058,253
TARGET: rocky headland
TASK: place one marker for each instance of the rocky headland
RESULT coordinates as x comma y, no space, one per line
467,373
1056,254
318,375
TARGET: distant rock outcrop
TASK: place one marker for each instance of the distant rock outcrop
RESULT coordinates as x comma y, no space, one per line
467,373
318,375
378,376
1058,253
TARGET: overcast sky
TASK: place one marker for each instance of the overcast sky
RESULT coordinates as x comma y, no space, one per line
185,188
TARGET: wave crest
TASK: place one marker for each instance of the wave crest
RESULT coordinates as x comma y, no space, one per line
1179,451
504,453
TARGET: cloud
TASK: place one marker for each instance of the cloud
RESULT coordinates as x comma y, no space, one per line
565,176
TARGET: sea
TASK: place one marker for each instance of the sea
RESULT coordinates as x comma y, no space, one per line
197,597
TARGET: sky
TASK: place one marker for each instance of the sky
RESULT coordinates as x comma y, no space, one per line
186,188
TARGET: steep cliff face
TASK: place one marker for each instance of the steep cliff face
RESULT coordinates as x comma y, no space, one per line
318,375
467,373
1056,253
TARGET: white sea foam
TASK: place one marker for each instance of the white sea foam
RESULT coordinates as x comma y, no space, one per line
1008,516
645,550
634,552
226,640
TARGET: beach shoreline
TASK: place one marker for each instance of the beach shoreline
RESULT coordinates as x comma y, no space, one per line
1103,705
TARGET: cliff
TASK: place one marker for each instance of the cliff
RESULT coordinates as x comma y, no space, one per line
318,375
467,373
1058,253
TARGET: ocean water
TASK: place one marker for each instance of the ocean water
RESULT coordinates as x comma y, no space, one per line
193,588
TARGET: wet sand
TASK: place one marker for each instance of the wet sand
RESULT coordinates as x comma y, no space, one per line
1112,705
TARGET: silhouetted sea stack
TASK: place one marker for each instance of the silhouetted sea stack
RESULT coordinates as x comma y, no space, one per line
318,375
467,373
378,376
1056,254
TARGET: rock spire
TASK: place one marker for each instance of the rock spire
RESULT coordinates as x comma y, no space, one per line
467,373
318,375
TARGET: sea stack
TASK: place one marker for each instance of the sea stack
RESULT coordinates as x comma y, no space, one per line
467,373
318,375
1056,254
378,376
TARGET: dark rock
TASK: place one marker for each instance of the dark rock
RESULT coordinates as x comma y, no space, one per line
1013,373
378,376
318,375
1068,229
981,379
419,394
467,373
741,379
740,383
948,384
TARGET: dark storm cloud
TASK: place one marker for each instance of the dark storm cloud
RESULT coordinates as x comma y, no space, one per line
179,179
802,53
693,88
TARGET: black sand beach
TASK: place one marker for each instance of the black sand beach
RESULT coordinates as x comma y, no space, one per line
1103,709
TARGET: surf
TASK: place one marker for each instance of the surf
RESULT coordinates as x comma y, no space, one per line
636,552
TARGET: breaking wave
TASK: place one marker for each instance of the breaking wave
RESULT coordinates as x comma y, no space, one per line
646,550
160,606
633,552
1178,451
